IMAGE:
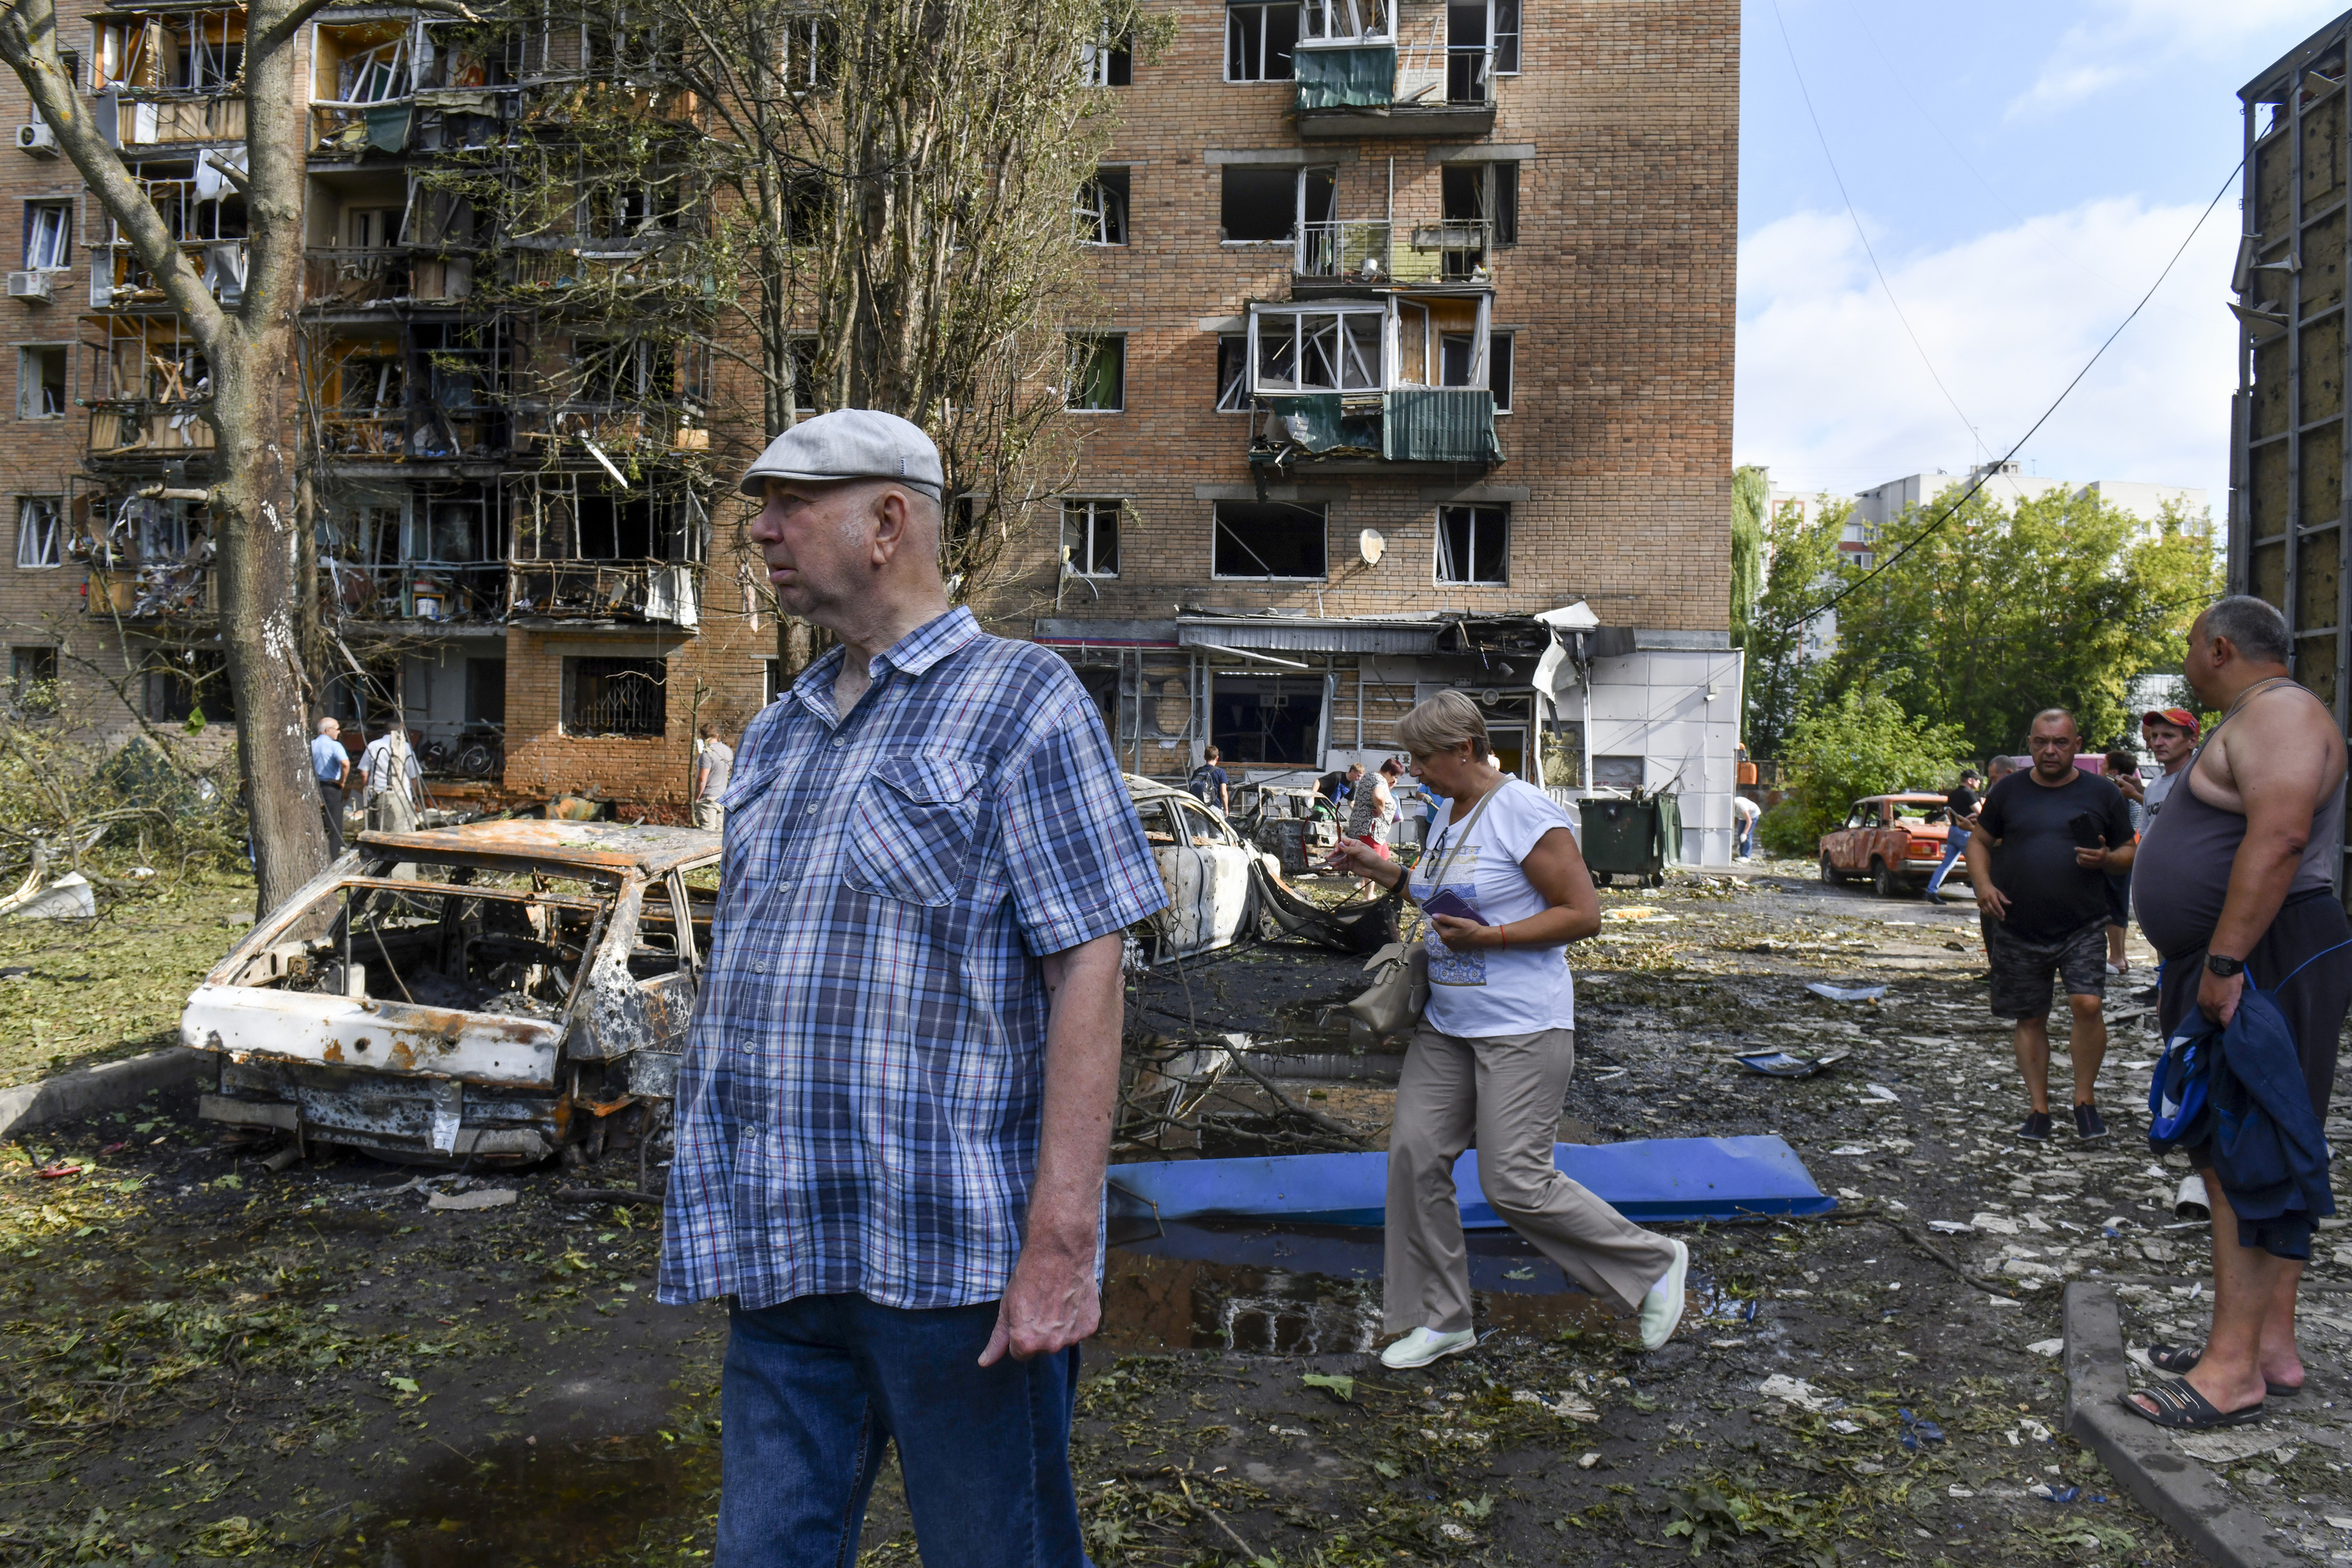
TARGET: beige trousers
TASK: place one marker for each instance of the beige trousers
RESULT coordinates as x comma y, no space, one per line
710,816
1502,1092
390,811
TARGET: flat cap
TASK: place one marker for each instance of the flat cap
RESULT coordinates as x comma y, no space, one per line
850,444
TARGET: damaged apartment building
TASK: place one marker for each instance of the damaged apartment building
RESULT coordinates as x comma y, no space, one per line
505,423
1412,373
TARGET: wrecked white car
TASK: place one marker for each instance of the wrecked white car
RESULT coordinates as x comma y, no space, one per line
1207,867
493,992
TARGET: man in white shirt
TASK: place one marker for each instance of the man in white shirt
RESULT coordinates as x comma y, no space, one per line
332,765
389,765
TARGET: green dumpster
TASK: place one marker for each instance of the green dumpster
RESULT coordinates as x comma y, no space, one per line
1637,838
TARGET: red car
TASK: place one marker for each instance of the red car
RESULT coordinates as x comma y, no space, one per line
1888,838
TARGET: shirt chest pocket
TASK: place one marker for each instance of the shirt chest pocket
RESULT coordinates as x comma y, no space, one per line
911,832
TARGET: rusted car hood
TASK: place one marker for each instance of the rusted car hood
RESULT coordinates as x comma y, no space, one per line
251,1023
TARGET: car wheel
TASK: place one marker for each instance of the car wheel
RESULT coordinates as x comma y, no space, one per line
1829,872
1882,880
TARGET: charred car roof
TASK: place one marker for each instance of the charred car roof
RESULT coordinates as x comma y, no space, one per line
590,847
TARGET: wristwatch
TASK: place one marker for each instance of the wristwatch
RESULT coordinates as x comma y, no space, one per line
2224,967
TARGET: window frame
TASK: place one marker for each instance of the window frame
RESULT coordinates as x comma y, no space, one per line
1496,33
28,355
800,361
1217,524
1097,341
1441,553
1260,10
1502,354
1238,345
572,671
1108,62
56,536
60,252
1096,510
1393,311
1112,208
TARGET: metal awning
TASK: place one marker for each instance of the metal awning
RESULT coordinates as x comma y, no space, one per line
1311,636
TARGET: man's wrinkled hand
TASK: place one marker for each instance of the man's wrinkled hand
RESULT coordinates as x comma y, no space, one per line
2217,995
1050,1303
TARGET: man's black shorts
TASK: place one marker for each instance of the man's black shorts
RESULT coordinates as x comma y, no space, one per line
2021,969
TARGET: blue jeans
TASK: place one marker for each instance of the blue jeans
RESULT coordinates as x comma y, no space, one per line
814,1388
1955,844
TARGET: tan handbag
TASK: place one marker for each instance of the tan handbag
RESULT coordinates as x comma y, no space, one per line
1399,995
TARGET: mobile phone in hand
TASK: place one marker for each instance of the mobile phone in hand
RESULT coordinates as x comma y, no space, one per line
1446,901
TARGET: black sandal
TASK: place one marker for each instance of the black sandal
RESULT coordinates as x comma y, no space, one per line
2182,1359
2180,1408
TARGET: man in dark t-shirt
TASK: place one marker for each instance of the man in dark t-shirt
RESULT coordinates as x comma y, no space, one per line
2041,895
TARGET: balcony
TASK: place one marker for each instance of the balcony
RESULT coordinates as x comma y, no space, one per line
164,591
1454,427
348,277
663,590
119,281
152,118
146,427
1376,87
434,592
1353,252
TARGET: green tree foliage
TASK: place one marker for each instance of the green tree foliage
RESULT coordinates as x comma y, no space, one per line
2058,602
1862,743
1750,492
1799,573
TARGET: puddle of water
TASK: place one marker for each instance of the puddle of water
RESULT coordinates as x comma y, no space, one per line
515,1506
1303,1290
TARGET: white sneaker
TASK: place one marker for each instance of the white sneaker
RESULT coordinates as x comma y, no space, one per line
1422,1346
1661,1309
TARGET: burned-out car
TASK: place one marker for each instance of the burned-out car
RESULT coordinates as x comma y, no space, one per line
491,992
1206,866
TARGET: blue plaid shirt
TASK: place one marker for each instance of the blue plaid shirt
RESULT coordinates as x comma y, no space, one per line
859,1106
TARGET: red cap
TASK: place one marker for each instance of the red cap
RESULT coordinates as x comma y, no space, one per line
2179,718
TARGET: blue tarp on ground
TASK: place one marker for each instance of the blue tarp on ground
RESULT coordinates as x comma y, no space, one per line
1647,1179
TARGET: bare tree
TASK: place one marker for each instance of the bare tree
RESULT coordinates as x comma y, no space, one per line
903,185
249,351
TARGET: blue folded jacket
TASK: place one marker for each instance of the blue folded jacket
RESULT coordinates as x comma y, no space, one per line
2268,1148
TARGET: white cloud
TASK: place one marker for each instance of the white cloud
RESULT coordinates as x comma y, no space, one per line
1832,396
2123,40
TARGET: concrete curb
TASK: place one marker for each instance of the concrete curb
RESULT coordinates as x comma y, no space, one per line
109,1086
2167,1482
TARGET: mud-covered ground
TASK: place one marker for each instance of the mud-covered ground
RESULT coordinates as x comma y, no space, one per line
202,1360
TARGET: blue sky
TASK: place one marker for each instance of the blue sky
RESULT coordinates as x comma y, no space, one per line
2022,172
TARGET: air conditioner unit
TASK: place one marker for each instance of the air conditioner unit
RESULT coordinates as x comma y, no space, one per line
29,285
37,140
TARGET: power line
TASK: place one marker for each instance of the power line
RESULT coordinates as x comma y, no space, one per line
1989,470
1855,218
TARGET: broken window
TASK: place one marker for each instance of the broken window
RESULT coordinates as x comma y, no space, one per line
453,532
623,370
809,51
33,680
1468,62
1267,539
808,198
440,936
40,532
1436,338
49,233
1090,537
800,369
41,382
1233,373
1261,204
1499,349
1317,350
1484,196
371,229
1102,208
1472,544
371,76
486,692
1345,19
1267,719
1505,29
1259,39
614,696
182,682
1098,372
1107,63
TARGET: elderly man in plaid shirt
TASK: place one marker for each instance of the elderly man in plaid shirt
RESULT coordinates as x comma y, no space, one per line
897,1103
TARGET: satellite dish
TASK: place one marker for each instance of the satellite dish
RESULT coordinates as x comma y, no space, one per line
1371,546
1489,697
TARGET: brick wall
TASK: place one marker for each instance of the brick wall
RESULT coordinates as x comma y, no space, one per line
1620,292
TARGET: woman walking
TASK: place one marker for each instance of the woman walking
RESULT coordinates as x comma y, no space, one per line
1492,1057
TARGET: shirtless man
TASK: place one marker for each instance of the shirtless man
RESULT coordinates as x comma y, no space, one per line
2235,885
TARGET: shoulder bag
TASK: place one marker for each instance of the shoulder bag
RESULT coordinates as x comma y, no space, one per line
1399,994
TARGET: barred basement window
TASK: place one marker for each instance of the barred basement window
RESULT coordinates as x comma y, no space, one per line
614,696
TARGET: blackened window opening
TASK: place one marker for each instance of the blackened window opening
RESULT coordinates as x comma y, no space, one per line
1268,538
614,696
1275,719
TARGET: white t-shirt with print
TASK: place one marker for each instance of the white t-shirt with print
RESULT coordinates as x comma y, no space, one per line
1487,991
